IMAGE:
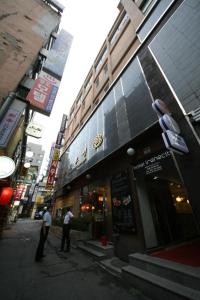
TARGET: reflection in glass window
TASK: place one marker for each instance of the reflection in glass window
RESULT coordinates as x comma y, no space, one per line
118,30
153,18
176,48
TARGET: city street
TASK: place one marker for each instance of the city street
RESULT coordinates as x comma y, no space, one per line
69,276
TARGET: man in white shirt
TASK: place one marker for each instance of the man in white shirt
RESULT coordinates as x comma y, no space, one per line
66,230
47,221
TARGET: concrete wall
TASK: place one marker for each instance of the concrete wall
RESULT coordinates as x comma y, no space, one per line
25,27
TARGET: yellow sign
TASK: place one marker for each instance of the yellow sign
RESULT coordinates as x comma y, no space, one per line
56,154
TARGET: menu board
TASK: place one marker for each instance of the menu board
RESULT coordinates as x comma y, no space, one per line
122,203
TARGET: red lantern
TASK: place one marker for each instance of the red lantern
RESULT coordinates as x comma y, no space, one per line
5,195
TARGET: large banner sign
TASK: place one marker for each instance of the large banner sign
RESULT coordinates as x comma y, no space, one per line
43,93
52,170
57,57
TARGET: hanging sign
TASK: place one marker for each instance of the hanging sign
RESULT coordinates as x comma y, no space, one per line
168,123
34,130
160,107
171,135
174,142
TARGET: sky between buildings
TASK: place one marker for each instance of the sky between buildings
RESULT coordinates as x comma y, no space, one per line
89,22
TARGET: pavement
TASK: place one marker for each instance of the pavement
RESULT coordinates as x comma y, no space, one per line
72,276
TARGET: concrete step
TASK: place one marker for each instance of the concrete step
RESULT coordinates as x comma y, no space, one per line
96,254
113,265
156,287
185,275
108,250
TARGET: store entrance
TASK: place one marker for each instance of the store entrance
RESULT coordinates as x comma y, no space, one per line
171,210
93,207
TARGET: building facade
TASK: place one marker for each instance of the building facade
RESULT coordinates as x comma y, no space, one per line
149,199
31,65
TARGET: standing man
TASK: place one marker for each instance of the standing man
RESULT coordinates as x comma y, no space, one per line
66,230
47,221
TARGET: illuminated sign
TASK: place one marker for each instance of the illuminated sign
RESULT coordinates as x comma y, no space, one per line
53,167
7,166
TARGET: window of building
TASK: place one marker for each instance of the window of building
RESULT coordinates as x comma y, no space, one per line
97,82
80,97
105,68
147,5
101,59
83,104
156,11
106,87
72,110
96,101
88,82
119,29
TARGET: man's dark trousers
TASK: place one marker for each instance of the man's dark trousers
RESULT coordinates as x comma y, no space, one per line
40,248
66,237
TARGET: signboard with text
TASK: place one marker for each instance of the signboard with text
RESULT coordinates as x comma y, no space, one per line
9,122
52,169
43,93
58,54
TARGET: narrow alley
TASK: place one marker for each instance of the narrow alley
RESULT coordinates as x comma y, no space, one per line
69,276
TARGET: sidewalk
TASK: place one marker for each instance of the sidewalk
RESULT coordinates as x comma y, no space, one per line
110,264
72,275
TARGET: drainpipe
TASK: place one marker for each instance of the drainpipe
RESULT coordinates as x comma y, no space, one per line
8,101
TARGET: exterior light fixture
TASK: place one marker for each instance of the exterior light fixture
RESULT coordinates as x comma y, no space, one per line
179,199
27,165
130,151
7,166
88,176
29,154
6,195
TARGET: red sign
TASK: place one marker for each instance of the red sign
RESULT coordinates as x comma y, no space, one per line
19,192
53,167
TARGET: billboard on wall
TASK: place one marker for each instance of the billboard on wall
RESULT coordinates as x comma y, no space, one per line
43,93
58,54
10,121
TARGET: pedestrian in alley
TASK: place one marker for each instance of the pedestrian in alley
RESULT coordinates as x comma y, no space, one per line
46,223
66,230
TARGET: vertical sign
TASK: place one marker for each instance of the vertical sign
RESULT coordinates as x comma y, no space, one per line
43,93
58,54
53,167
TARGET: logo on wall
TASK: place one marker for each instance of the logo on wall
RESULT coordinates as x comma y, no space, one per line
98,140
171,130
80,160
